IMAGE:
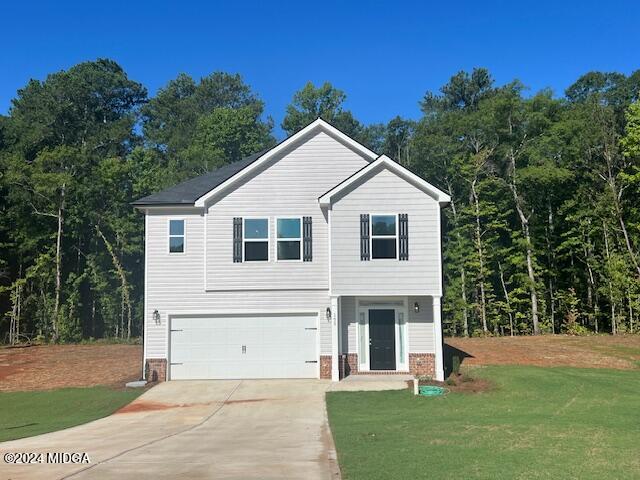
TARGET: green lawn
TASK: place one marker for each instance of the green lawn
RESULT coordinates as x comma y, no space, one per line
538,423
23,414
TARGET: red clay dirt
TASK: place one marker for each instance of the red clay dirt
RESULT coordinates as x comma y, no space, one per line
47,367
145,406
57,366
598,351
141,405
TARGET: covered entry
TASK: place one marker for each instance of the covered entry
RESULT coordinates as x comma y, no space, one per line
243,346
381,330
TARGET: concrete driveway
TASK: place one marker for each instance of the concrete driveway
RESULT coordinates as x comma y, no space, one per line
198,429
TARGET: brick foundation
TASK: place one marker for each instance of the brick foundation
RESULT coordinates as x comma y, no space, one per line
419,364
156,369
325,366
422,364
382,372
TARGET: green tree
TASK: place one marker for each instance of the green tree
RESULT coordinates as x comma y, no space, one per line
59,132
226,135
194,127
326,102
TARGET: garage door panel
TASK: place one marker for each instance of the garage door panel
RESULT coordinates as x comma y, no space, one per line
275,346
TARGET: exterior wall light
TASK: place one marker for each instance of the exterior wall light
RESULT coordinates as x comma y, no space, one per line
328,312
156,317
416,307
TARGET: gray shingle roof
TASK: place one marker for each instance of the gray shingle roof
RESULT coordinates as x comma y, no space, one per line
187,192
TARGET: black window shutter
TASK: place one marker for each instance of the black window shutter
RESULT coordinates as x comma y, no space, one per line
307,247
364,237
237,239
403,236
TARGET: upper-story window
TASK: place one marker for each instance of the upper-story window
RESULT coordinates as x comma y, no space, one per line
384,236
289,232
176,236
256,239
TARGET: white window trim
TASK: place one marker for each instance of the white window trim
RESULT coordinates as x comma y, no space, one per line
184,235
371,236
288,239
268,239
402,364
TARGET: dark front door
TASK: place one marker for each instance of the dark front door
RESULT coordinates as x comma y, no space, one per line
382,339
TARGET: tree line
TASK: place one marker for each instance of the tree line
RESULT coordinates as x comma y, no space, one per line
542,234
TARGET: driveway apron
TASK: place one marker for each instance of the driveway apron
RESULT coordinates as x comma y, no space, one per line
198,429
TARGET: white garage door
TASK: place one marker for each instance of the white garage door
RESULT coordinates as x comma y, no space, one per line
256,346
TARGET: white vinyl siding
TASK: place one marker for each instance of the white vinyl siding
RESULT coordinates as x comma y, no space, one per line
204,280
349,325
288,187
421,339
175,286
384,191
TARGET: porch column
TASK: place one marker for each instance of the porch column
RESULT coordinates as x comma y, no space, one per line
335,326
437,337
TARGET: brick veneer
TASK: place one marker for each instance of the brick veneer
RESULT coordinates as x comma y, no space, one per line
156,369
422,364
419,364
325,366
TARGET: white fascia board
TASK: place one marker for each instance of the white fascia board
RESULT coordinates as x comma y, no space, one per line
395,167
318,124
176,209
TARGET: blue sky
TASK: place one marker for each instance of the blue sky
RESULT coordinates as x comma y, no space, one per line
384,55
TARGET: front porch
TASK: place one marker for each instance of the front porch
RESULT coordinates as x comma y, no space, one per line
384,335
373,383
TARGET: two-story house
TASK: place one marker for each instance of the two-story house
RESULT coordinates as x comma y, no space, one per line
315,259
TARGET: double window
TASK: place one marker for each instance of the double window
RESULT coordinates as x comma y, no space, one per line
384,236
176,236
289,231
256,239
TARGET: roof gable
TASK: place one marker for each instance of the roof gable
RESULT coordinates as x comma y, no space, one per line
290,143
197,191
385,162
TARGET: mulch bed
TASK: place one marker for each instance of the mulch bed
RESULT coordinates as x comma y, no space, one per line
462,383
46,367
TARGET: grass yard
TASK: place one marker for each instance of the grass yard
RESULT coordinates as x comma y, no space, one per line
538,423
23,414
